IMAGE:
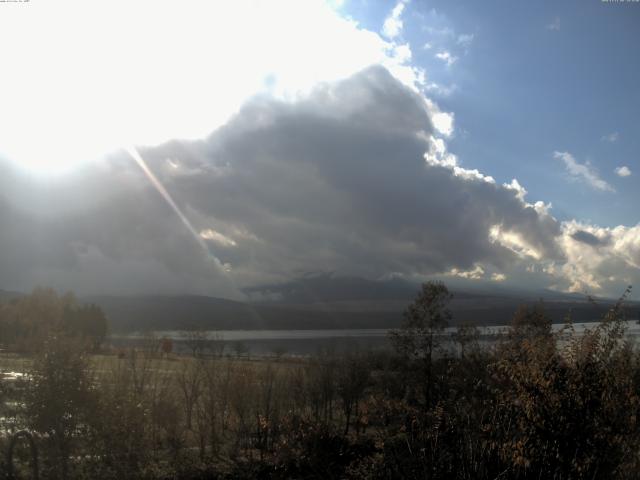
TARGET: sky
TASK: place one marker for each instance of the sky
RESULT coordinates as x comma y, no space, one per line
206,147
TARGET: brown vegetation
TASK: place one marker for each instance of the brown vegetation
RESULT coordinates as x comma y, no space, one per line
536,404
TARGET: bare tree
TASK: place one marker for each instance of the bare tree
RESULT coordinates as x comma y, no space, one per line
424,320
189,380
467,335
217,344
352,379
196,340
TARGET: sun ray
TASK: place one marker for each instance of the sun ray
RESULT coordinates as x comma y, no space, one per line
157,184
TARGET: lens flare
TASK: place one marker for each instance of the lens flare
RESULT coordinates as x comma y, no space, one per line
133,152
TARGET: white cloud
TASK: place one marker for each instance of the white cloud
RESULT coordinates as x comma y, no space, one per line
465,40
217,237
437,155
611,137
440,90
623,171
442,32
392,26
443,121
446,57
554,25
603,260
514,241
583,172
515,186
475,273
402,53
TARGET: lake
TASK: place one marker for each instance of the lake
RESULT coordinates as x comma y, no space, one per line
306,342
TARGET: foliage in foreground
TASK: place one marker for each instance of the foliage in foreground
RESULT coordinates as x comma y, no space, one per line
537,403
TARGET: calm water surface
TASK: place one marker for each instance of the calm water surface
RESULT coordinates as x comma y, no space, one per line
305,342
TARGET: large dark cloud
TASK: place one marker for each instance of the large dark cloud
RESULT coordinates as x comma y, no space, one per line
335,181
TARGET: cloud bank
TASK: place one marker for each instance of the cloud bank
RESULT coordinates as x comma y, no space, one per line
323,155
352,178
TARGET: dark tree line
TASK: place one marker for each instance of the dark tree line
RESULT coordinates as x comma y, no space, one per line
27,321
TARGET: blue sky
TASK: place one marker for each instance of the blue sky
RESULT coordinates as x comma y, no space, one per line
531,78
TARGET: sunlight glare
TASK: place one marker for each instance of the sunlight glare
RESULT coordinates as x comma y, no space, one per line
82,79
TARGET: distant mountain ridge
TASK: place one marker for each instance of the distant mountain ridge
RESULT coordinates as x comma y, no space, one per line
200,312
327,302
326,288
